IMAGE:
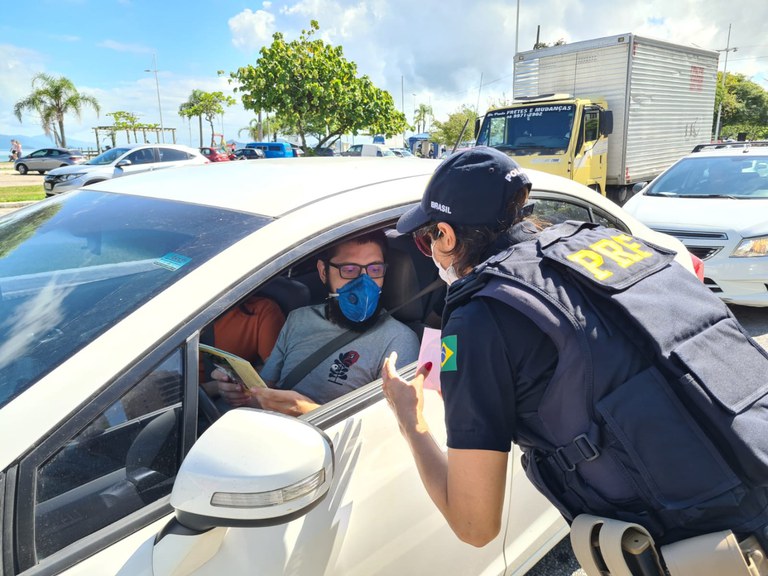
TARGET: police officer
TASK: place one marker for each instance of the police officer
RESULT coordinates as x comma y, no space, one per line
532,357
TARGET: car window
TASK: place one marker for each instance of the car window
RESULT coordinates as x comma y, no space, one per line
124,458
38,153
555,211
550,211
173,155
143,156
70,269
107,157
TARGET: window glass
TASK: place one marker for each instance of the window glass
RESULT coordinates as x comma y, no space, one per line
173,155
73,267
38,153
555,211
591,125
143,156
123,460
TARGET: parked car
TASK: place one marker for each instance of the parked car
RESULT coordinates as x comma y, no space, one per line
114,460
273,149
378,150
716,202
248,154
214,155
45,159
120,161
325,151
402,152
298,152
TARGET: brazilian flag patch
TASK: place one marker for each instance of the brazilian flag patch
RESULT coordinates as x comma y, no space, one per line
448,351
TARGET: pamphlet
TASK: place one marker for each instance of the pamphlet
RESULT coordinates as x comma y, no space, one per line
431,352
238,369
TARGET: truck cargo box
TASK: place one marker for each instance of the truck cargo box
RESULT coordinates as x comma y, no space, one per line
662,95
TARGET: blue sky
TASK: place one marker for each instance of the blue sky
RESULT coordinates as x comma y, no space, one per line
433,52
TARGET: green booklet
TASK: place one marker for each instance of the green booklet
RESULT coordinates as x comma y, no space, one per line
238,369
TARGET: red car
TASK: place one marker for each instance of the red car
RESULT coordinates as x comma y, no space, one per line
214,155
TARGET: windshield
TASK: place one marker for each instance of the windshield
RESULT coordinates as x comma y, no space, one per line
526,129
107,157
714,176
76,265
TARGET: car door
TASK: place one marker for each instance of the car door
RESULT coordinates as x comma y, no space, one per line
170,157
141,160
37,160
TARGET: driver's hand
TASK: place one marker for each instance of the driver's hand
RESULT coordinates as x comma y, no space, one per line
285,401
233,393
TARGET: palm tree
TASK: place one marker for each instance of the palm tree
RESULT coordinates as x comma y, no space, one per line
52,97
192,107
421,114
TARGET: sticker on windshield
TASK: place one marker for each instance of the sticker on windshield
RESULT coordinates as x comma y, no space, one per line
172,261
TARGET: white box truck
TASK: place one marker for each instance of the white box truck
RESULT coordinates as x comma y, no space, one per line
609,112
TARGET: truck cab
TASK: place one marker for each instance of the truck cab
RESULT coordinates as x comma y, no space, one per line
554,133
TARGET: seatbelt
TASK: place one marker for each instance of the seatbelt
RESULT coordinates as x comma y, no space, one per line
308,364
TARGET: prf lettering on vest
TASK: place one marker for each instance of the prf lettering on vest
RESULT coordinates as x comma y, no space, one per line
621,249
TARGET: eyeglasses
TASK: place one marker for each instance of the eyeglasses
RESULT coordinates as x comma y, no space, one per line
424,238
350,271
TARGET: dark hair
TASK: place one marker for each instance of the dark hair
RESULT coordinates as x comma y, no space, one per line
474,244
376,236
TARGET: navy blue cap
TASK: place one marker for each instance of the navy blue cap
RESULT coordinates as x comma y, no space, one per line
472,188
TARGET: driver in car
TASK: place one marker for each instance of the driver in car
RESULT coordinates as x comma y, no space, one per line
353,272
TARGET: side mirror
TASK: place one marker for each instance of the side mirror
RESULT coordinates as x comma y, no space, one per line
606,122
124,162
638,186
477,127
253,468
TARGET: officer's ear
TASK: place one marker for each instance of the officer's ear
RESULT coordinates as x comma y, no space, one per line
448,236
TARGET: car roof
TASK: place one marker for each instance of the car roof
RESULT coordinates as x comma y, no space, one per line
237,185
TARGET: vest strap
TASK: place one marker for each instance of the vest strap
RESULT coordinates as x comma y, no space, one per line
580,450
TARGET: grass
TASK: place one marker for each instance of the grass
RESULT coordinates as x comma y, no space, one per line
21,193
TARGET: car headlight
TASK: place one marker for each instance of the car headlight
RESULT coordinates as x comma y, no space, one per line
750,247
67,177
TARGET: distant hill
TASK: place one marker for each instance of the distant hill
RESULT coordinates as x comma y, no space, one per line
30,143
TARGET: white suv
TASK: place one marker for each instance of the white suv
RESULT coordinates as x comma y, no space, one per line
120,161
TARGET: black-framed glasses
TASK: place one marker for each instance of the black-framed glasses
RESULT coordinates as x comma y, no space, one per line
349,271
424,237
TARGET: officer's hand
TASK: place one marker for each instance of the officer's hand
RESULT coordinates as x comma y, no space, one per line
405,398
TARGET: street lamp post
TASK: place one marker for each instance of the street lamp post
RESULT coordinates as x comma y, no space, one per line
159,106
725,67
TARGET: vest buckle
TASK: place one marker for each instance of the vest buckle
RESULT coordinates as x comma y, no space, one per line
580,450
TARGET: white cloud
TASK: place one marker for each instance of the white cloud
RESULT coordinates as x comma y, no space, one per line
123,47
251,30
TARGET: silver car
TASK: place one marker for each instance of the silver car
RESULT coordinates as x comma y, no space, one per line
46,159
120,161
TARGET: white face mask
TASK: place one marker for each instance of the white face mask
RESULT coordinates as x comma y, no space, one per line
448,275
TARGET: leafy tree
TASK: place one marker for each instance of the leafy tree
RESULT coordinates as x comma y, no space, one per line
312,90
420,117
450,131
205,105
52,97
745,107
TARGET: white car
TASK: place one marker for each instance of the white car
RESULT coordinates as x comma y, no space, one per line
716,202
120,161
104,293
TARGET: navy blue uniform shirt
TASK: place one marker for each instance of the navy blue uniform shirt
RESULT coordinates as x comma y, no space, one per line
496,364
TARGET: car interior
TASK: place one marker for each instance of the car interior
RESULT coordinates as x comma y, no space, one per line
129,455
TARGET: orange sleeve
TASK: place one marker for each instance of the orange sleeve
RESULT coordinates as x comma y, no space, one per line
250,329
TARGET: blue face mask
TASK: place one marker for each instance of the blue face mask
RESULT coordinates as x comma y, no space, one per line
359,298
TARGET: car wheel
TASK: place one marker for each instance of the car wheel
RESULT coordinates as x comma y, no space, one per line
22,168
242,158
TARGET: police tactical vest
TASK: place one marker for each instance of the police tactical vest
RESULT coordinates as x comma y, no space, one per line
657,412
